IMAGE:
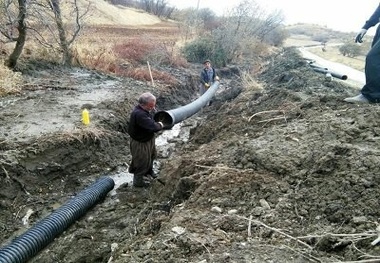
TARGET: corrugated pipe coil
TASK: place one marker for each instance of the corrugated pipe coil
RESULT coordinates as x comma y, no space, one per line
39,236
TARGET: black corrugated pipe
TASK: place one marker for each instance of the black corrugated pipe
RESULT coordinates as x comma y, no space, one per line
326,70
172,117
39,236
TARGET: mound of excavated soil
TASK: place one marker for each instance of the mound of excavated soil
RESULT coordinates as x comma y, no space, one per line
288,173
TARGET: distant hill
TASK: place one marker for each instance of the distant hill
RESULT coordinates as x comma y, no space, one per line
103,13
318,33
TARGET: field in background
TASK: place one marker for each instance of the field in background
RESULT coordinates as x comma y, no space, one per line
300,41
122,40
331,52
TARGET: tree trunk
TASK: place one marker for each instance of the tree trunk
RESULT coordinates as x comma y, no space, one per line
67,56
11,62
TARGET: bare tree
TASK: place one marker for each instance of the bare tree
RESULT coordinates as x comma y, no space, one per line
14,29
250,19
55,7
43,20
245,23
64,42
51,29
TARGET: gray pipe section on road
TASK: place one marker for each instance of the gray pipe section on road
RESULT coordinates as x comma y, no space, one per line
326,70
172,117
39,236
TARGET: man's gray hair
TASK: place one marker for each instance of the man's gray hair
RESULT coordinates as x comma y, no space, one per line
146,97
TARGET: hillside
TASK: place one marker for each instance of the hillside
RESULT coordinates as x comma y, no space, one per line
103,13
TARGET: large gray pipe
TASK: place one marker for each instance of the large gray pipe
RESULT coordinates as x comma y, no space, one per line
324,70
36,238
172,117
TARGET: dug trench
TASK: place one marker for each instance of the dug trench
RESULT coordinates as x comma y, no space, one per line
40,171
280,170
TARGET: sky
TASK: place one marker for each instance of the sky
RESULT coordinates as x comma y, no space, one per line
340,15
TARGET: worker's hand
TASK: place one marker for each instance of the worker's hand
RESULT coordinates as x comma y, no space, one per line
360,35
207,85
217,78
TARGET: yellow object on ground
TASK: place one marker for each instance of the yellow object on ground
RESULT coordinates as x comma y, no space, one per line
85,117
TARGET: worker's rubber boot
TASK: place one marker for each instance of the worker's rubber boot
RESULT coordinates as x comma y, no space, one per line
357,99
139,181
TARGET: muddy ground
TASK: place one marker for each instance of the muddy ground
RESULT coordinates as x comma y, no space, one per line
281,171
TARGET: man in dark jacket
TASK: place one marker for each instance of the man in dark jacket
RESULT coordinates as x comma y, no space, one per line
208,77
371,90
142,129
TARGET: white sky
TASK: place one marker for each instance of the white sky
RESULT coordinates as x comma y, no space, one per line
341,15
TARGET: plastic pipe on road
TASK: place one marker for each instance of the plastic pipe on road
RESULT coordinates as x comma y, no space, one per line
172,117
35,239
327,71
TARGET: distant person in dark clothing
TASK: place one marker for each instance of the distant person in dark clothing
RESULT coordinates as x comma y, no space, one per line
142,129
208,77
371,90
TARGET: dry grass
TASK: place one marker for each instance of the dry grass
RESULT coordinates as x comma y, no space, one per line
249,83
97,57
83,135
156,51
300,41
102,13
143,74
10,81
130,58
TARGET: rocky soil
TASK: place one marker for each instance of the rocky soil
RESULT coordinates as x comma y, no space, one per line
281,170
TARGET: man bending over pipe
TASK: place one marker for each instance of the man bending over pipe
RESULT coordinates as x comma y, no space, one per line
142,129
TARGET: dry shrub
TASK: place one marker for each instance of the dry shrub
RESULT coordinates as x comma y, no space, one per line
262,49
45,54
166,53
97,57
136,50
140,50
34,51
82,134
179,61
255,52
249,83
144,75
114,60
10,81
88,134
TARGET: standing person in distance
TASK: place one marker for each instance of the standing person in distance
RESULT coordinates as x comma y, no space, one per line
370,92
208,77
142,129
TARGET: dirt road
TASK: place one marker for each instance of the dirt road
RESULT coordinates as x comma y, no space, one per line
355,77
